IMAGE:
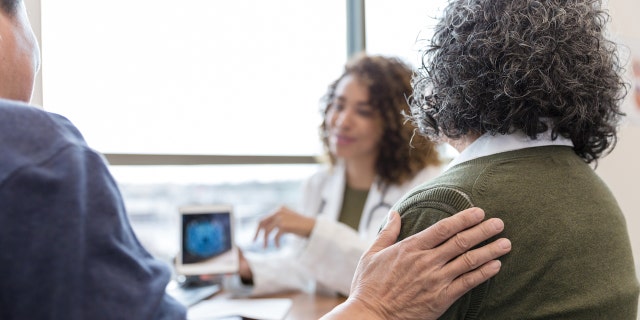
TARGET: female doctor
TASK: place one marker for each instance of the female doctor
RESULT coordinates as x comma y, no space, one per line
374,160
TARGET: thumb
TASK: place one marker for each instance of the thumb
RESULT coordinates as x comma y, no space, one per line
389,233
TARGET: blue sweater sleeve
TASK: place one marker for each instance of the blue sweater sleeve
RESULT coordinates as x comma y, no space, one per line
68,251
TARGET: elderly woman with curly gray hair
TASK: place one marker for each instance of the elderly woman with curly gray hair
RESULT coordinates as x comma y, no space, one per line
529,92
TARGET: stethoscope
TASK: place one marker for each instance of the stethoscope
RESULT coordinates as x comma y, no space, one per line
381,205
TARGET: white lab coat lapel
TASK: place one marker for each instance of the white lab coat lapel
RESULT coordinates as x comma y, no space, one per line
332,193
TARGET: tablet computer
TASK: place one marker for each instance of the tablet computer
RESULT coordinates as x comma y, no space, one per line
206,240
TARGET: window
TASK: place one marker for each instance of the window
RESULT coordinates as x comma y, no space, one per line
195,76
399,28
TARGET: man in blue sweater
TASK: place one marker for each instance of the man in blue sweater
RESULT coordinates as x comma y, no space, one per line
67,250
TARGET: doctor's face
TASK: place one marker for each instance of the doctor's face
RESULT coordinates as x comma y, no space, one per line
354,128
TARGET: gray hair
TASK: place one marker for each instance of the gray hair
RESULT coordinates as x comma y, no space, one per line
522,65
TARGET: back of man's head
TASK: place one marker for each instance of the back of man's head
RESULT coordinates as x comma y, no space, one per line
9,6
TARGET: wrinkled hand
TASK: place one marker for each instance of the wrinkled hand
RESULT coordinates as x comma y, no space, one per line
423,275
284,220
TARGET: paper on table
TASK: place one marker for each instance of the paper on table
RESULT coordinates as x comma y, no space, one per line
263,309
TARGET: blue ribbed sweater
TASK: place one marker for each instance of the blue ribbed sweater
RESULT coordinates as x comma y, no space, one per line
67,250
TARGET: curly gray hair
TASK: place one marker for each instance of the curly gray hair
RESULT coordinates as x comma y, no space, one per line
522,65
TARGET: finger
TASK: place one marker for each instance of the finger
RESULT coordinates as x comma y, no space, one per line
255,236
470,280
265,237
261,225
465,240
266,231
446,228
389,233
475,258
206,277
278,236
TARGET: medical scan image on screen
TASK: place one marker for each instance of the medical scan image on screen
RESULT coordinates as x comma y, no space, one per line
205,236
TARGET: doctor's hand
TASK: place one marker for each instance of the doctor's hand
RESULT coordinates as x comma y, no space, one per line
284,220
421,276
244,270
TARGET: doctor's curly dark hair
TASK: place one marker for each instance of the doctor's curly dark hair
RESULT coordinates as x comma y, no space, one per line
530,65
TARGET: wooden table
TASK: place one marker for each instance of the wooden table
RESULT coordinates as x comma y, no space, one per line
308,306
305,306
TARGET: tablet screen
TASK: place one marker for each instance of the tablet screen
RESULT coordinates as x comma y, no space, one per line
206,238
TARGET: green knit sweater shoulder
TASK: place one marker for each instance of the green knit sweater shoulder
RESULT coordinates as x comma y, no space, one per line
571,255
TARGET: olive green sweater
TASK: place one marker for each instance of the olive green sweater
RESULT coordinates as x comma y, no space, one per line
571,256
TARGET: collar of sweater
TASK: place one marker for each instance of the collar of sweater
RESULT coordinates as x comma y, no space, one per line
488,144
